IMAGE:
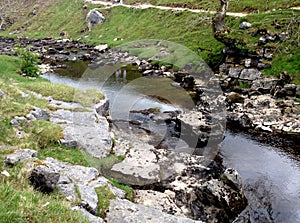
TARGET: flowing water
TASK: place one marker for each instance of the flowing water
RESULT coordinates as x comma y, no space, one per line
271,170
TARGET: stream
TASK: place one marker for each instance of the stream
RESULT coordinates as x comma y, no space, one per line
271,174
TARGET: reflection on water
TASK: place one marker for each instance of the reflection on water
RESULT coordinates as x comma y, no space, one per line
281,173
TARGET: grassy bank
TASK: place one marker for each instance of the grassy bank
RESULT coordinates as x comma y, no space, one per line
19,202
186,28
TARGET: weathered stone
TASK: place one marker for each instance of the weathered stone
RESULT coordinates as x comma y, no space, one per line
234,98
124,211
250,74
40,114
232,178
101,47
245,25
148,72
264,85
117,191
262,41
44,178
2,94
140,167
89,132
19,155
224,197
93,18
102,108
290,89
67,188
245,121
89,198
297,91
76,173
91,218
157,200
188,82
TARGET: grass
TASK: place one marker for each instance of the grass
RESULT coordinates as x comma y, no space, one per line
21,203
287,54
244,86
104,197
186,28
128,190
234,6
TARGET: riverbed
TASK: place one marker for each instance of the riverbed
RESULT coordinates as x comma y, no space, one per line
268,171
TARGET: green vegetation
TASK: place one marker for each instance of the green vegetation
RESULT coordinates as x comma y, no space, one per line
128,190
29,61
189,29
107,162
21,203
287,53
104,197
244,85
235,5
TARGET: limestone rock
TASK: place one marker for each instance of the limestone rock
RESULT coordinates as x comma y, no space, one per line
91,218
124,211
250,74
93,18
89,198
157,200
84,129
101,47
245,25
102,108
2,95
234,72
19,155
40,114
44,178
140,167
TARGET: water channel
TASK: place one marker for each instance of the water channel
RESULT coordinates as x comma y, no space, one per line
271,173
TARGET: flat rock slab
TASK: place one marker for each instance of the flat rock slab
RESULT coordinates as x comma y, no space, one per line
19,155
140,167
85,130
124,211
158,200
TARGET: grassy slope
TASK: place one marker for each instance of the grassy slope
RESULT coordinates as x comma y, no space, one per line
235,5
186,28
287,54
19,202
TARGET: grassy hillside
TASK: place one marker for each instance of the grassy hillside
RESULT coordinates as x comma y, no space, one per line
186,28
235,5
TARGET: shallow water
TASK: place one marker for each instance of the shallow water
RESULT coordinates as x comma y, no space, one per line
279,170
260,164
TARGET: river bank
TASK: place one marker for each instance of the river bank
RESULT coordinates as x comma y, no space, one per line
163,174
52,55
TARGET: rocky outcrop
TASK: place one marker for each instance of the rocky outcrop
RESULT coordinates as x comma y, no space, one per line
75,182
85,130
19,155
189,185
123,211
93,18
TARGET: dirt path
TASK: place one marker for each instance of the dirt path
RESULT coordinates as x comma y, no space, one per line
145,6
